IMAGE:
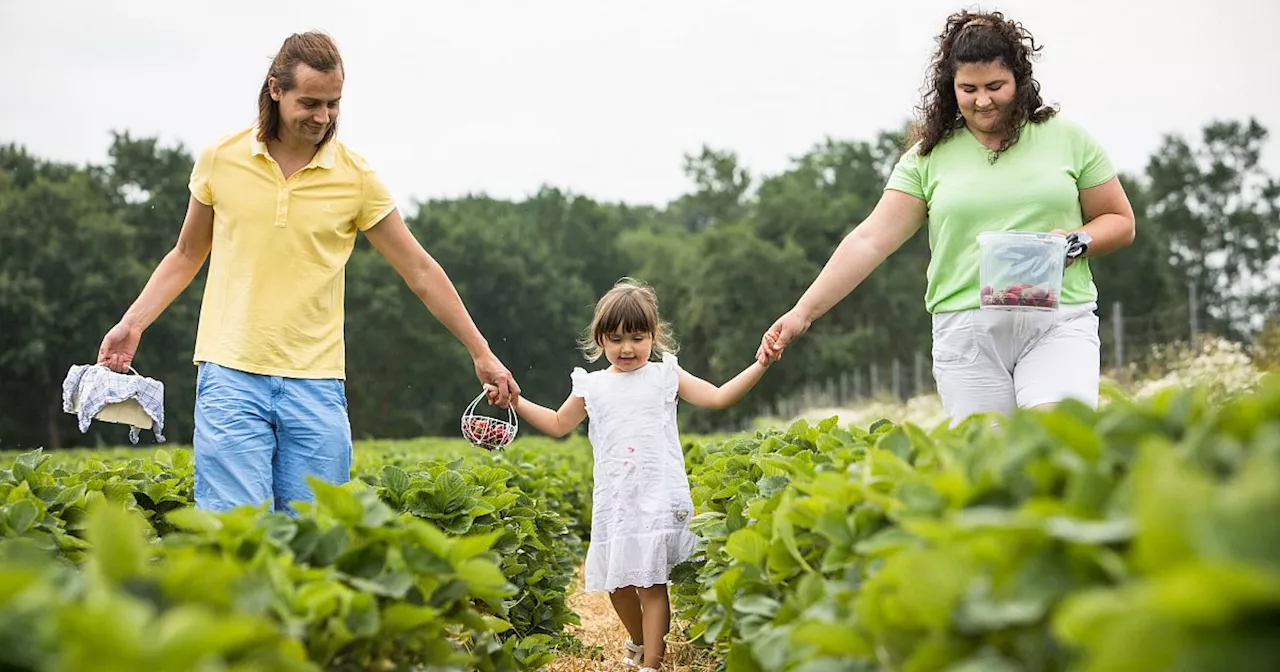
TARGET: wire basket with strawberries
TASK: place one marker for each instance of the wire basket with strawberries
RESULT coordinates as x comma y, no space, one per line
487,432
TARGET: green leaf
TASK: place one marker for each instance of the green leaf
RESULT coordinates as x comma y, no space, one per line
194,520
985,662
119,546
32,459
401,617
831,639
328,546
484,577
499,626
450,491
759,605
362,618
70,495
337,501
1072,433
470,546
118,492
740,658
22,514
785,531
747,546
1089,532
772,485
189,634
395,479
459,525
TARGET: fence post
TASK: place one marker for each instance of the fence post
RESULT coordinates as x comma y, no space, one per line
1194,309
897,379
1117,325
918,381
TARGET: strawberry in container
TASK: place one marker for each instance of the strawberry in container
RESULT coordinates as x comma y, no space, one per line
1021,270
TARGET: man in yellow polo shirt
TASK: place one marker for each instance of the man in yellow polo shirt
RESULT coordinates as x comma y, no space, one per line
277,207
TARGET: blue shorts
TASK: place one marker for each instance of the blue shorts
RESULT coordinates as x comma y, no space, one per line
258,437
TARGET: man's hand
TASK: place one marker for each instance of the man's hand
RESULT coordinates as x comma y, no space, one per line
118,347
490,371
788,328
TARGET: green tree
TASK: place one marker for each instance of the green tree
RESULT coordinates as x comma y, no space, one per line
67,257
148,188
721,190
1221,212
814,205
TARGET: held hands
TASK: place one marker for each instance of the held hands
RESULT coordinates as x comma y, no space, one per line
786,329
497,380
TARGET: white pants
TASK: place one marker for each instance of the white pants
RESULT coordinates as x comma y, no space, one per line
997,361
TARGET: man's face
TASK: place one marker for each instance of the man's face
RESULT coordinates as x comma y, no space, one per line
310,108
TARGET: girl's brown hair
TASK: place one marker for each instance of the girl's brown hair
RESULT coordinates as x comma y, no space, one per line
318,51
979,37
629,307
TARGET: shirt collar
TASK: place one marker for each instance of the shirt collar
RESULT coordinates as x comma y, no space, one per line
324,157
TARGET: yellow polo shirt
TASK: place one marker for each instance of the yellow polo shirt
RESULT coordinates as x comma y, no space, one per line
273,299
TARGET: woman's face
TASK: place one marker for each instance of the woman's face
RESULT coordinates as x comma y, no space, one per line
984,92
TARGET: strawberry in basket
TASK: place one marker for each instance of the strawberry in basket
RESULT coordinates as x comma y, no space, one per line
485,432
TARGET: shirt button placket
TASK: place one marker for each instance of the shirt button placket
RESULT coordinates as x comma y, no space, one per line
282,207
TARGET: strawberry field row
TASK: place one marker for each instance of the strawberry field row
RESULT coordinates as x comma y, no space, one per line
1141,537
435,557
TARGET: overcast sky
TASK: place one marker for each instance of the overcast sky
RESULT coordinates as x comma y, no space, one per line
604,98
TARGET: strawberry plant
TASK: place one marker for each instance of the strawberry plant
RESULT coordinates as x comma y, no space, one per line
1050,541
437,556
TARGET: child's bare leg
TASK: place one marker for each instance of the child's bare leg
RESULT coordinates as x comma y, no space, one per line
627,605
657,622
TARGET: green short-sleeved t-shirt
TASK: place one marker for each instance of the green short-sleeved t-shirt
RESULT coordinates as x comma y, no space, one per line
1034,186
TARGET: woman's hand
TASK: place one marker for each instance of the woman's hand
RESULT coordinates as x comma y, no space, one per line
786,329
1064,234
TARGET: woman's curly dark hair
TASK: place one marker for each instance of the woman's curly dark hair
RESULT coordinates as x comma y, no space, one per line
979,37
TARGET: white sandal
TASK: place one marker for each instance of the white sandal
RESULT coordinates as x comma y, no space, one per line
637,654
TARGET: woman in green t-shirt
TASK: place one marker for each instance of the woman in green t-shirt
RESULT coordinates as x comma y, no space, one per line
988,155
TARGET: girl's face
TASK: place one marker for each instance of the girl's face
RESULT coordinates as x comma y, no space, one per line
628,352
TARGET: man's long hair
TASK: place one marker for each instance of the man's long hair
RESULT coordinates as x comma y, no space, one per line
318,51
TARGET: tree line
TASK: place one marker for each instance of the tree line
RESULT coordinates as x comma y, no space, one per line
77,243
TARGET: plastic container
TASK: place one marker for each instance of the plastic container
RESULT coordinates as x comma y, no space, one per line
1021,270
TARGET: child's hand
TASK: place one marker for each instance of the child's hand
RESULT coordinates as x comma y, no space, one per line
771,354
491,393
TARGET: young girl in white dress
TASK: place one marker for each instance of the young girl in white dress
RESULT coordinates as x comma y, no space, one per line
642,504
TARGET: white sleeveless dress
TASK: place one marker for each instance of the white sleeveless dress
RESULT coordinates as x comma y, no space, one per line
641,502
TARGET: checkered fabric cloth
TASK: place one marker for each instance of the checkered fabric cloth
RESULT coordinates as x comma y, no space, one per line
98,386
